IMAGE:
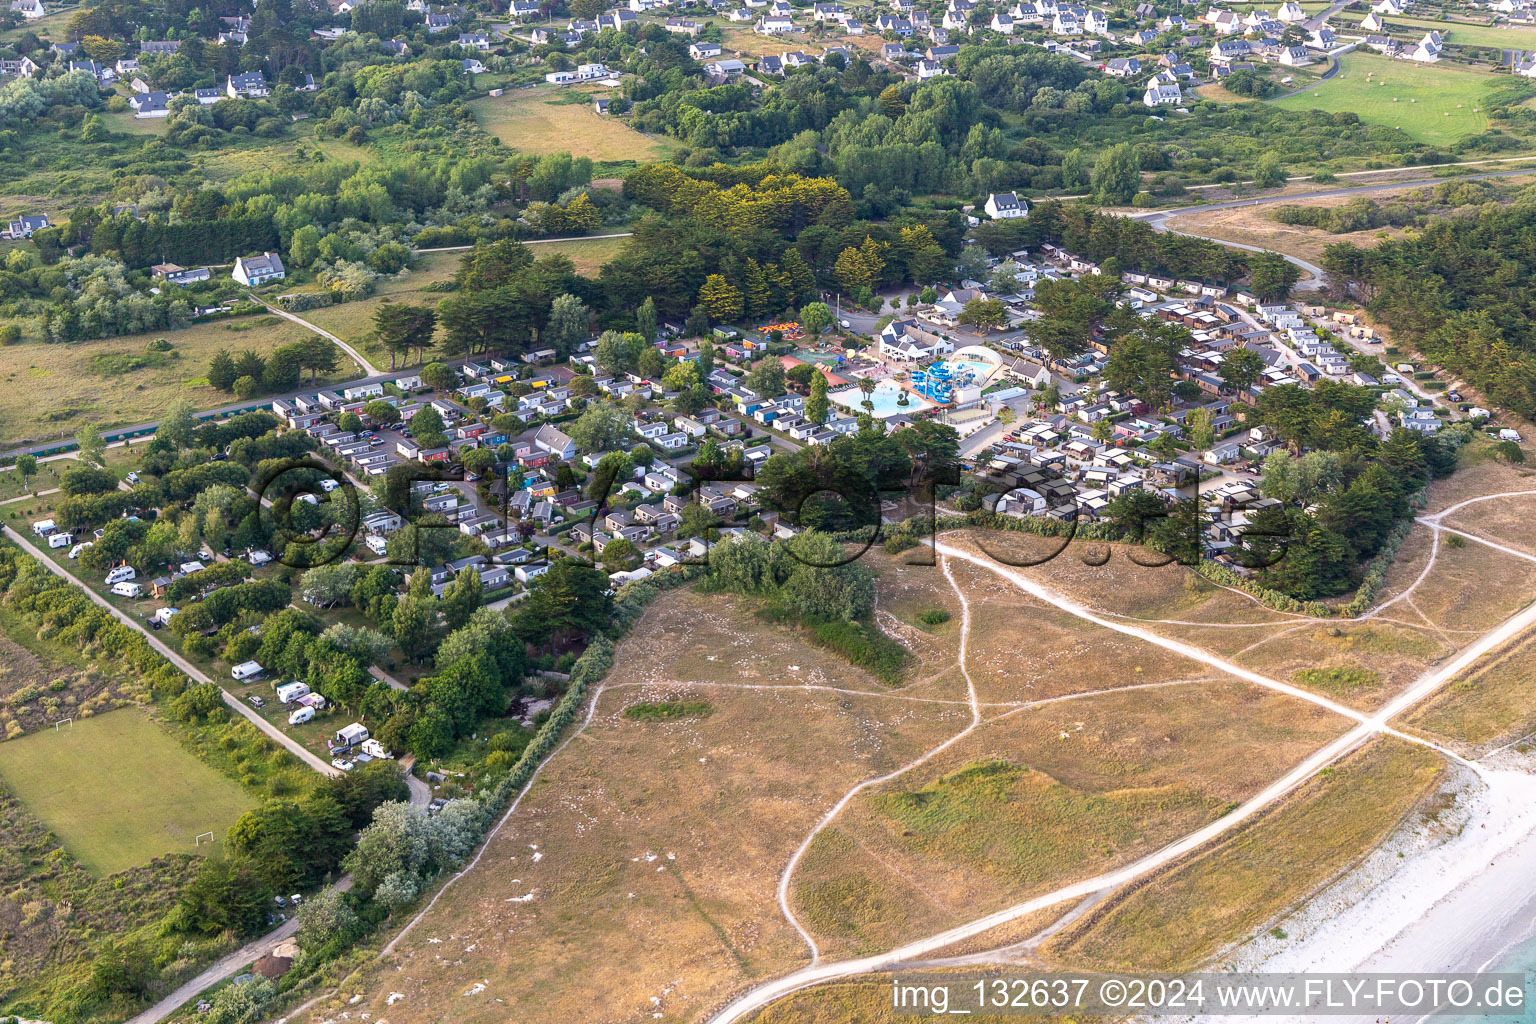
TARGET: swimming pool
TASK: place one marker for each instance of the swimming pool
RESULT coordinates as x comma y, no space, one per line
885,400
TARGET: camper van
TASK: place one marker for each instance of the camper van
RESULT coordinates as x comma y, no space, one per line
301,716
373,748
290,692
74,552
43,527
163,615
246,670
121,573
60,540
127,589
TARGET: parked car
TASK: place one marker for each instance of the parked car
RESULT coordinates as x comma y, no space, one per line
342,763
1454,396
132,478
256,701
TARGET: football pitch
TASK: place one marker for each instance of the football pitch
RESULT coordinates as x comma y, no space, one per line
118,791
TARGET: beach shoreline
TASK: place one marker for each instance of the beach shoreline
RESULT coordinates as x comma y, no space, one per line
1451,892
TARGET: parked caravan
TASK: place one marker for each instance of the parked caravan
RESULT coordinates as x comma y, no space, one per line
245,670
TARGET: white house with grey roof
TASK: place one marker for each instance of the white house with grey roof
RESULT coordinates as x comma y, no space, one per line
257,270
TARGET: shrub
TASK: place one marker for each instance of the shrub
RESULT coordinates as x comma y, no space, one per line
668,710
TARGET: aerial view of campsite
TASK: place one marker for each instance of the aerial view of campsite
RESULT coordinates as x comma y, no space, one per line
767,511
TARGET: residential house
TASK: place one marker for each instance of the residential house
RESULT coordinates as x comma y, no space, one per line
1005,206
905,341
1429,49
775,25
583,72
257,270
1162,94
247,85
170,273
26,226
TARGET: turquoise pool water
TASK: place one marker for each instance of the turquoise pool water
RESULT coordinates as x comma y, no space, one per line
884,400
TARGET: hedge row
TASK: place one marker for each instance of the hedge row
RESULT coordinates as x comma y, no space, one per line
590,668
298,302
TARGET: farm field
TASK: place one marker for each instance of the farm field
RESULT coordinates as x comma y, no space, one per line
127,124
548,120
1431,103
353,321
588,254
1255,226
97,382
117,790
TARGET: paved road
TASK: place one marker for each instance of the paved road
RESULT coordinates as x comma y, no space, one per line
1314,23
235,704
236,962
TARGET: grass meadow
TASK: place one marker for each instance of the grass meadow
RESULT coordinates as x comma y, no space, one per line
558,119
49,391
118,791
1430,103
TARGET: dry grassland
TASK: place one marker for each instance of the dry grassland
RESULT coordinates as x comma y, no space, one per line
643,864
1358,663
1492,705
1043,797
1190,913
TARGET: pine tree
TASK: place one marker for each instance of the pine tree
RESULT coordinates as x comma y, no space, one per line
817,405
758,298
721,298
645,319
802,281
221,370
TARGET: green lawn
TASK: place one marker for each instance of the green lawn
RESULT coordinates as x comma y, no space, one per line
1513,37
1435,104
118,791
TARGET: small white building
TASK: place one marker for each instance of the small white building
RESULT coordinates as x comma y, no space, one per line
257,270
1005,206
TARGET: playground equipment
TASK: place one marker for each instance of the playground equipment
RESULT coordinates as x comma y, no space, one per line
789,331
